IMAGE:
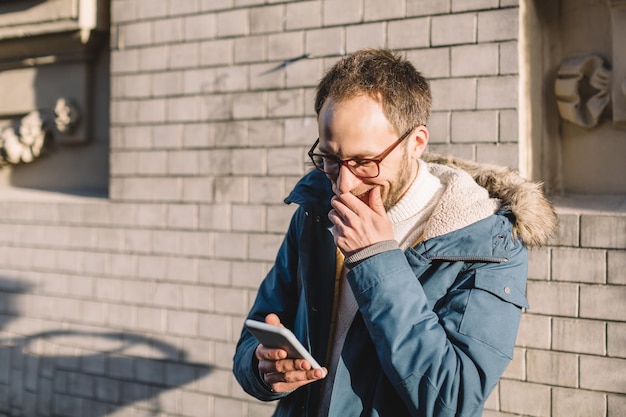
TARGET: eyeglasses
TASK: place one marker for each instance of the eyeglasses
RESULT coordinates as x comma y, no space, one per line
360,167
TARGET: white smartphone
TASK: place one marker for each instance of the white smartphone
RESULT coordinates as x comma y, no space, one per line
280,337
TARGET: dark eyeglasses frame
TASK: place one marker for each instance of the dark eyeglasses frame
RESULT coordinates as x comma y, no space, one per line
356,161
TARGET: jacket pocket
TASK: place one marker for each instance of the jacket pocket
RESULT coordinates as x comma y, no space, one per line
493,311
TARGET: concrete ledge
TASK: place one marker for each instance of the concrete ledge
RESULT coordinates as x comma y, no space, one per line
591,221
590,204
41,196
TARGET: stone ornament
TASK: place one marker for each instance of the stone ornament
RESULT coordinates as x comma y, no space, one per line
26,142
577,102
67,116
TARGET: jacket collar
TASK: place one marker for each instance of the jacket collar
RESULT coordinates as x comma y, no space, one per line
313,193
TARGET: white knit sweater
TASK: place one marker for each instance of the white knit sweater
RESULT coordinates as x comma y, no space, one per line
410,214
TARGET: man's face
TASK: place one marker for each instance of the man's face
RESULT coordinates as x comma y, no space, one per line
358,128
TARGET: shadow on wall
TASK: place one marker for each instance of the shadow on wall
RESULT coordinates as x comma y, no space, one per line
21,5
83,373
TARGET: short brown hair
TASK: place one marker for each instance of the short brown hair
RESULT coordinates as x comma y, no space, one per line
384,76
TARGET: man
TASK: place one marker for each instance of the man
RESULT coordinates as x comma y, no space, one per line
421,316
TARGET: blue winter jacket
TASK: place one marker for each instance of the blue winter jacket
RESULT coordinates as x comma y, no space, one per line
436,324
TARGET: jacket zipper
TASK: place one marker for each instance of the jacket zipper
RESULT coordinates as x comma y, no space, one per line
468,259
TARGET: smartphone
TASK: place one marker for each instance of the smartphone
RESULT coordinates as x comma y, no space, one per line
280,337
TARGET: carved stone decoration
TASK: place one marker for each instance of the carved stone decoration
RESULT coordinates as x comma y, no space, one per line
25,143
67,116
577,102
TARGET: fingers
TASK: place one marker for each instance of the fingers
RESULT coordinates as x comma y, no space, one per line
273,319
343,214
356,224
347,204
283,366
285,375
263,353
289,381
294,376
376,201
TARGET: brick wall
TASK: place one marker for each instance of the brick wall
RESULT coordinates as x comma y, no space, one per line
570,358
131,305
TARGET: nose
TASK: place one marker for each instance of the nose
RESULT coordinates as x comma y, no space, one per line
346,181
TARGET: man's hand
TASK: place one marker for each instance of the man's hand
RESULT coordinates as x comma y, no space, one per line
280,373
357,225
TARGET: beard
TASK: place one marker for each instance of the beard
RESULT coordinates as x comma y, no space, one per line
404,179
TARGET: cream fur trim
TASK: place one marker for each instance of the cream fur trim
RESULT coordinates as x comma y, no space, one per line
463,202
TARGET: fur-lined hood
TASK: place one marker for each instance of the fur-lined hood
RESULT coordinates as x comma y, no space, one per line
535,217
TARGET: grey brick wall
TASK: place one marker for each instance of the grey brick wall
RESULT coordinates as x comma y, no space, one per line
132,305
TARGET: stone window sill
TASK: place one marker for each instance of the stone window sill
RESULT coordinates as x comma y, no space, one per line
591,221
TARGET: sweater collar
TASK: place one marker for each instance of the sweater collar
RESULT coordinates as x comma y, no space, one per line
419,195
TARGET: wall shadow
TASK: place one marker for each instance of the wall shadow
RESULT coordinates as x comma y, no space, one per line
78,373
15,6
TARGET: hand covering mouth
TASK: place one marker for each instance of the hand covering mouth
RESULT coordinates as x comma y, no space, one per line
365,196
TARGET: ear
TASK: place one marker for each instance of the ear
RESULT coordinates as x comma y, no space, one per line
418,141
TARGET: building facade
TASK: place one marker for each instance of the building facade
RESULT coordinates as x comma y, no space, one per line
146,147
